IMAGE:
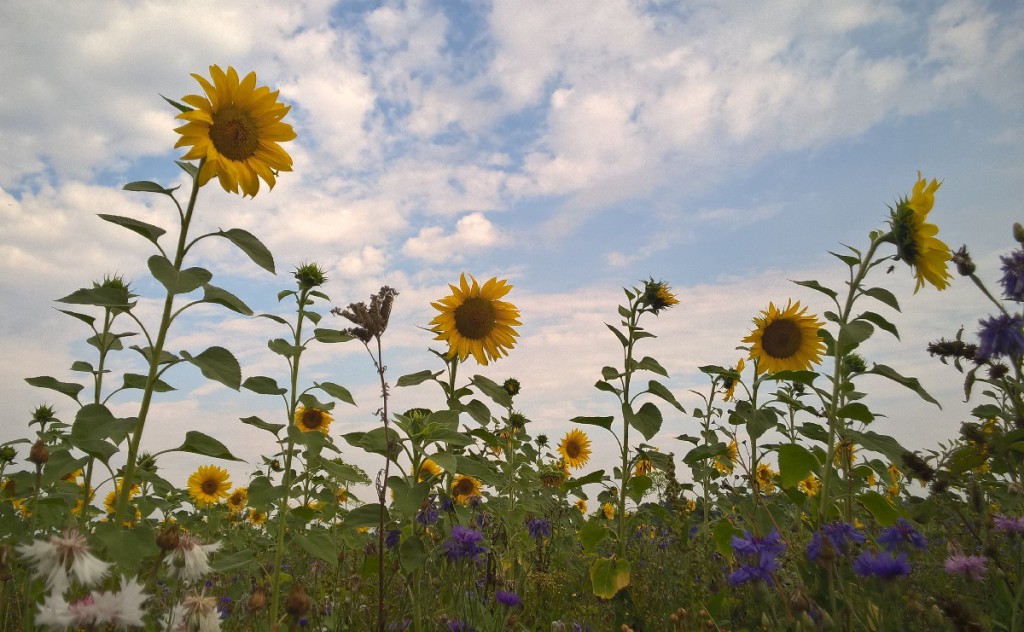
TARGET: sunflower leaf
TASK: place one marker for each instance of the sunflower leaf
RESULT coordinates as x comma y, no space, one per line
336,391
618,334
648,363
218,364
199,443
814,285
135,380
252,246
366,516
45,381
181,107
884,513
883,295
220,296
880,322
492,389
592,533
658,389
609,576
177,281
262,425
647,420
795,464
263,385
98,296
149,231
145,186
419,377
910,382
604,422
331,335
320,545
188,168
85,318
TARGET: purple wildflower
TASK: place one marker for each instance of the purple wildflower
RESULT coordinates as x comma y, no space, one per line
770,544
447,504
902,532
1000,336
762,569
459,625
1013,275
538,528
840,535
973,566
392,538
508,598
882,564
761,554
428,513
464,543
1008,524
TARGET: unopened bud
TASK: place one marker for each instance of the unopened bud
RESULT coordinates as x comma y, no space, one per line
39,454
964,264
258,598
1018,232
297,603
168,539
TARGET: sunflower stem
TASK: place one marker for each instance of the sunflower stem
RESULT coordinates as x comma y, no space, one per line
156,351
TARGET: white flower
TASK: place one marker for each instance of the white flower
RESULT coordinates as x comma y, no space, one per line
63,557
190,559
197,611
122,609
54,613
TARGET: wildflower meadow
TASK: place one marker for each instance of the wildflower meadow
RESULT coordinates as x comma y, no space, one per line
780,508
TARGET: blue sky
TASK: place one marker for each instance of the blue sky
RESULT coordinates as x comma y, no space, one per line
573,148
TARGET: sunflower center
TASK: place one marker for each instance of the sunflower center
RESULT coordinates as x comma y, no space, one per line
573,449
781,339
210,487
312,418
464,487
475,318
234,134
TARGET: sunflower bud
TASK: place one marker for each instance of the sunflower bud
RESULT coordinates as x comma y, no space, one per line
7,454
511,386
964,264
39,454
657,295
1018,232
43,415
310,275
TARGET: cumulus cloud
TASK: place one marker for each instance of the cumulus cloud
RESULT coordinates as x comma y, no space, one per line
472,232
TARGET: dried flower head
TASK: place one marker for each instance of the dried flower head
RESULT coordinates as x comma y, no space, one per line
370,320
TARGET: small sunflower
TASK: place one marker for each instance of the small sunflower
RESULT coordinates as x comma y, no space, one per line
474,321
644,466
575,448
729,383
428,470
658,295
80,499
916,241
553,473
257,518
110,502
236,129
845,451
208,485
309,419
608,511
724,463
810,485
581,505
785,340
464,488
341,495
765,479
238,499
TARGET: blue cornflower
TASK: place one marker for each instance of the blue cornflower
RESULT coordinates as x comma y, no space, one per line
447,504
1000,336
839,534
760,553
507,598
428,513
483,519
392,538
902,532
538,528
460,626
464,543
882,564
1013,275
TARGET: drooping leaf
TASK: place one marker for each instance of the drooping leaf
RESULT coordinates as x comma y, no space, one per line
336,391
219,365
910,382
263,385
883,444
320,545
135,380
250,245
177,281
413,553
659,390
647,420
199,443
262,425
814,285
67,388
650,364
98,296
417,378
856,411
884,513
220,296
883,295
492,389
331,335
592,533
149,231
604,422
880,322
145,186
366,516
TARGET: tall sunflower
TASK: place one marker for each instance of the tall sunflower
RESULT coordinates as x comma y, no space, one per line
428,470
237,129
465,487
575,448
785,340
309,419
915,237
208,485
729,383
474,321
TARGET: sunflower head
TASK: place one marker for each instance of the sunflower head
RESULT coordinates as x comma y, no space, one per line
464,488
657,295
235,130
310,275
764,479
553,473
310,419
238,499
608,511
474,321
257,518
110,502
915,238
575,448
581,505
810,485
429,469
785,339
208,484
729,382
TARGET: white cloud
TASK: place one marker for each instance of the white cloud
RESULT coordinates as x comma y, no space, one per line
472,233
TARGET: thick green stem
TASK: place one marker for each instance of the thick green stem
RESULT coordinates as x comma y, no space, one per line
154,361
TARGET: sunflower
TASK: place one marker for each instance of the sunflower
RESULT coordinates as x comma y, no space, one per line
473,320
428,470
464,488
764,480
810,485
341,495
658,295
724,462
257,518
235,130
208,485
845,451
608,511
575,448
916,241
644,466
110,502
729,383
80,500
581,505
785,340
238,499
308,419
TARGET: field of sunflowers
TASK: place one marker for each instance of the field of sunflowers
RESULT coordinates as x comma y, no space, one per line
785,512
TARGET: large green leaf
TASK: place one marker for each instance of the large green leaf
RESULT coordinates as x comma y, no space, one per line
336,391
795,464
145,186
884,513
45,381
149,231
198,443
909,382
659,390
650,364
883,444
218,364
366,516
250,245
647,420
262,425
609,576
604,422
417,378
331,335
135,380
98,296
883,295
592,533
263,385
814,285
493,390
413,553
320,545
177,281
220,296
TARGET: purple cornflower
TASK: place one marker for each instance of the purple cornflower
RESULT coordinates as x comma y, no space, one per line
508,598
464,543
1001,336
447,504
460,626
538,528
882,564
392,538
761,554
1008,524
973,566
483,519
428,513
1013,275
840,535
902,532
